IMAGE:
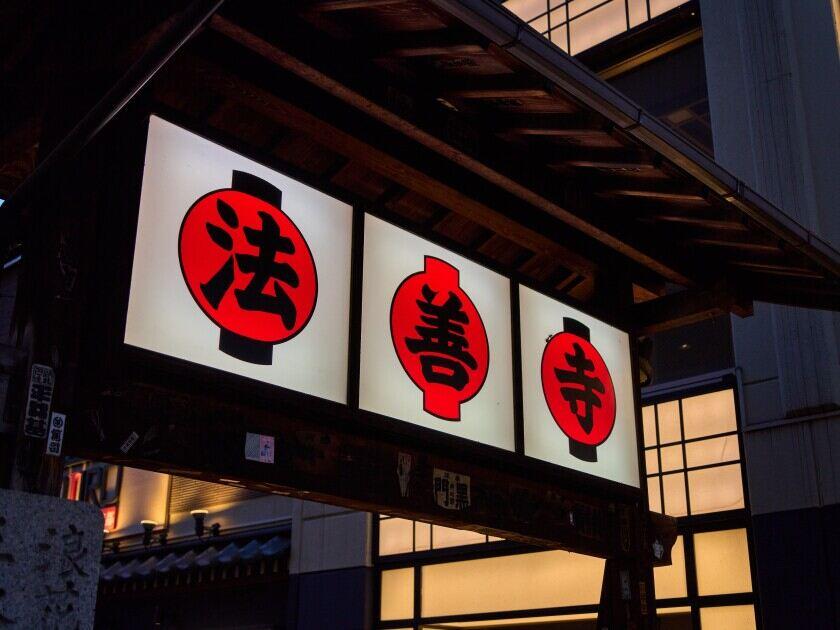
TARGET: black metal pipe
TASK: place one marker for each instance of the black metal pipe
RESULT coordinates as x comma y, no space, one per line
190,20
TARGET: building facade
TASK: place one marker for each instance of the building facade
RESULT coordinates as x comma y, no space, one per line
740,415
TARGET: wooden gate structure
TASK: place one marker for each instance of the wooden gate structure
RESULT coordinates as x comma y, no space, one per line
454,121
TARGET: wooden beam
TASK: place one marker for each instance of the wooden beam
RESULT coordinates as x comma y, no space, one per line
612,166
687,307
331,454
405,119
436,50
777,269
379,160
347,5
737,244
714,224
653,193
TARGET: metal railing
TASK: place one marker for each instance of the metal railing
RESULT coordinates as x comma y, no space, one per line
577,25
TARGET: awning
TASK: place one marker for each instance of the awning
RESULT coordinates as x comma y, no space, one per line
573,161
159,563
456,118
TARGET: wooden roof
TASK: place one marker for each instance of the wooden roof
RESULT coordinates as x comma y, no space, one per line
455,118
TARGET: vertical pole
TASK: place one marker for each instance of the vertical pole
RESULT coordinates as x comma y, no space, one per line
627,593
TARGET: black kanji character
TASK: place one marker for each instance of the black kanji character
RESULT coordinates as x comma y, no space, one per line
73,551
263,266
265,269
578,376
444,335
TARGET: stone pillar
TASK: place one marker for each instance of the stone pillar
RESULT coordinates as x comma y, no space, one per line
330,568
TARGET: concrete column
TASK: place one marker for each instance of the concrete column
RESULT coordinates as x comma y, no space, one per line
773,74
774,91
330,568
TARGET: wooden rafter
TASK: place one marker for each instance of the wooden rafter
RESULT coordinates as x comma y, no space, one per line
404,118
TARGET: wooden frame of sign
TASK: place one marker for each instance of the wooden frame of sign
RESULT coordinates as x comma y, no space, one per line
134,407
192,420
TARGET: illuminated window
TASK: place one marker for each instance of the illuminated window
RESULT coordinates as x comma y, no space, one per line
727,618
670,581
397,535
397,594
723,562
692,455
577,25
519,582
693,467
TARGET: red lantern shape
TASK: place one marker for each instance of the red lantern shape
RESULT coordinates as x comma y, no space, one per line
578,389
248,267
439,338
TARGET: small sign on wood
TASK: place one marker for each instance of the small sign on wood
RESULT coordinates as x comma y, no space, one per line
41,385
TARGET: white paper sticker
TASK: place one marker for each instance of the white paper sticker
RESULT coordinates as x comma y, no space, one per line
41,385
452,490
130,441
55,436
259,448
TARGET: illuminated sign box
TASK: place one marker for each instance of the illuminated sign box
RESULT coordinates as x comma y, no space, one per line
577,386
240,268
436,338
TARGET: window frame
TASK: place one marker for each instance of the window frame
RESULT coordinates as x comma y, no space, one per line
687,527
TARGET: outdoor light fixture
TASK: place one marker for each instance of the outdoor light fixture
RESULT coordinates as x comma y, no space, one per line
199,516
148,528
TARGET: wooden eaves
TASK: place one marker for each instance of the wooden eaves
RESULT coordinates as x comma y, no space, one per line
585,176
458,119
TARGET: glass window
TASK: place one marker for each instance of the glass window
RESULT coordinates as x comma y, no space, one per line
712,465
716,489
531,580
448,537
592,21
559,36
540,24
670,581
597,26
395,536
673,489
397,594
669,422
713,451
651,461
728,618
654,496
649,424
548,622
723,562
638,12
527,10
709,414
658,7
672,458
422,536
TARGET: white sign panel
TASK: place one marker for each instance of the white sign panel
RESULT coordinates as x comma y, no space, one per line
436,338
240,268
55,436
577,383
